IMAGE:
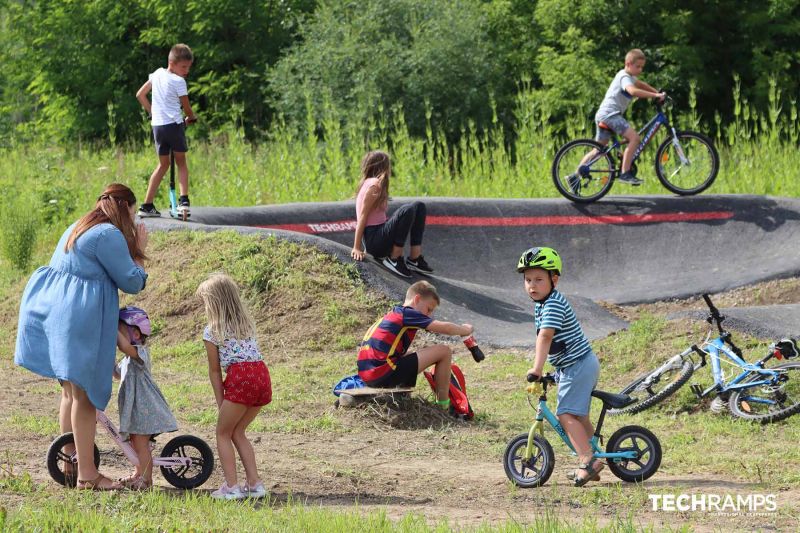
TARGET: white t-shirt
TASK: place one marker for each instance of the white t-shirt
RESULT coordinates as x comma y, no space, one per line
167,89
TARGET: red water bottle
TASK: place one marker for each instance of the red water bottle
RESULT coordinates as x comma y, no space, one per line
477,354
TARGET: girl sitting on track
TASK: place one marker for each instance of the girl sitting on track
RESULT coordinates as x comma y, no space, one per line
231,346
384,237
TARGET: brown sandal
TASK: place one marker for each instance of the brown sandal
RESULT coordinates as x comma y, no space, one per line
94,484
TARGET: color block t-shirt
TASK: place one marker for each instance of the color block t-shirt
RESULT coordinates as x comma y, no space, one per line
569,343
387,340
617,99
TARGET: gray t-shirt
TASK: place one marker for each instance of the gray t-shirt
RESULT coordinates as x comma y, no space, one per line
616,100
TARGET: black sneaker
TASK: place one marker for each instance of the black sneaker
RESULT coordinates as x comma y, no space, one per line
398,266
419,264
148,210
630,179
574,182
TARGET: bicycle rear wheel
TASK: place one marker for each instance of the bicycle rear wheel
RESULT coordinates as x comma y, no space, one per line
769,403
583,183
688,166
659,387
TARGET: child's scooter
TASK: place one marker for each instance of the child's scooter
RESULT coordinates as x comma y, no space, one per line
173,199
186,461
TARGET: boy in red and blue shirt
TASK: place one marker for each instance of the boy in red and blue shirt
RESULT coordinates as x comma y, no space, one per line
383,361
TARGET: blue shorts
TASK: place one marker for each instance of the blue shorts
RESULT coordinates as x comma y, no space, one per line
170,137
575,386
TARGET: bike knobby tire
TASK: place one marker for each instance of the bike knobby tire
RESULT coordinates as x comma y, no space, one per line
57,459
674,379
689,179
202,464
586,188
789,397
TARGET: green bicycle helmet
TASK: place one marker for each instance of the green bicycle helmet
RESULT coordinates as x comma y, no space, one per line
540,257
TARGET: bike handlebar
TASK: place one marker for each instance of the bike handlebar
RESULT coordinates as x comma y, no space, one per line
717,317
546,378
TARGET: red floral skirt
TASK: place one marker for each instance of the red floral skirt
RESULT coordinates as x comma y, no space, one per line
248,383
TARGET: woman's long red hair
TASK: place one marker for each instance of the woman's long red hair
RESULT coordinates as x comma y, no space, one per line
112,206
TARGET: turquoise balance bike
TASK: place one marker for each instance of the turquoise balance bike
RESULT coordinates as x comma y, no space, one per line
633,453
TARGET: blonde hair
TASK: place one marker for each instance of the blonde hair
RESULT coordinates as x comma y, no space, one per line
227,315
180,52
424,289
634,55
376,164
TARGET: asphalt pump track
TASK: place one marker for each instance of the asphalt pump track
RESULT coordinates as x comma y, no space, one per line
621,250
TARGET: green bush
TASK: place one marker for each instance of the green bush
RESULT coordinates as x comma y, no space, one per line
19,227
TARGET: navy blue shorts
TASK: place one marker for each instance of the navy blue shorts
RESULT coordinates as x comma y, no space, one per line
404,375
170,137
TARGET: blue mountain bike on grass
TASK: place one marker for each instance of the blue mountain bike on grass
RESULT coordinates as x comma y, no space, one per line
753,392
686,162
633,453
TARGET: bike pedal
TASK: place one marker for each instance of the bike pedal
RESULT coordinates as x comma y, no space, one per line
697,389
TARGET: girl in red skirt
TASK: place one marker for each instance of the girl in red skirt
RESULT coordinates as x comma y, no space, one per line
231,347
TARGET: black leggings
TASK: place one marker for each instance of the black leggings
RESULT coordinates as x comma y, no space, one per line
408,220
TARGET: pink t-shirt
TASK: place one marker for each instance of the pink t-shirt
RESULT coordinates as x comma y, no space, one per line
378,215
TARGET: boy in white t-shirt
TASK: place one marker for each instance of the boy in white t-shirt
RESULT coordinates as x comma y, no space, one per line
170,96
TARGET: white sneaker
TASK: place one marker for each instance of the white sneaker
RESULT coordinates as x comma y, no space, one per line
228,493
257,491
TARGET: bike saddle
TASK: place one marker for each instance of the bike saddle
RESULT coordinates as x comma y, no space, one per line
613,400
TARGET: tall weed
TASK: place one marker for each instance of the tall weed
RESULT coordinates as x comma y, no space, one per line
19,228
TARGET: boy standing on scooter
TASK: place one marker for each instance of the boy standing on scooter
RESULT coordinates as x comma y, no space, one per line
170,95
560,340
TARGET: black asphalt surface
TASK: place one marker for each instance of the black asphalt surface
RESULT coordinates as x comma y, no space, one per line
620,250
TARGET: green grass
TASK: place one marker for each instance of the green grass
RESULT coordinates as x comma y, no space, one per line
290,306
156,511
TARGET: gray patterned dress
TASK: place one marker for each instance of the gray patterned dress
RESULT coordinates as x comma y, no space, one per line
142,407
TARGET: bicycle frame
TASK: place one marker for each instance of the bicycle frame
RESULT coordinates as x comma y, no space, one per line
646,135
716,346
128,450
543,413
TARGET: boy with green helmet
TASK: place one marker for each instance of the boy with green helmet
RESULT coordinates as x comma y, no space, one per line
561,341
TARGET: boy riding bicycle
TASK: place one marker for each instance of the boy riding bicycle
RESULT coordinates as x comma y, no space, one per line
609,117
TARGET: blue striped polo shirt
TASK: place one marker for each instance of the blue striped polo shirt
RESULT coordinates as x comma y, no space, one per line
569,343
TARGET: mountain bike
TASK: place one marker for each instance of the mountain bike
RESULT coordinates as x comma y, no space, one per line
633,453
754,392
686,162
186,461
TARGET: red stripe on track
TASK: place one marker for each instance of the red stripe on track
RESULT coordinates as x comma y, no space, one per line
578,220
552,220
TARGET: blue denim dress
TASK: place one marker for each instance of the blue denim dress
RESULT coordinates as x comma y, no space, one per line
70,309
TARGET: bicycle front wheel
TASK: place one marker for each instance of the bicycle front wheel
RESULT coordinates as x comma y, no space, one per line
582,172
687,163
769,403
657,388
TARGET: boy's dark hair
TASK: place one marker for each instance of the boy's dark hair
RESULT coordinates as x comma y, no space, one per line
180,52
424,289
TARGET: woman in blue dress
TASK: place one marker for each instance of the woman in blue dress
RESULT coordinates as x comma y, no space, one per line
69,313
